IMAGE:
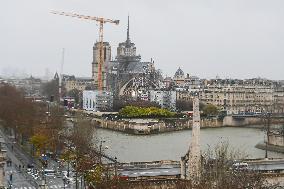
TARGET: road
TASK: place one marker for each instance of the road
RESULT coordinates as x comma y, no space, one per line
174,170
16,175
267,165
151,172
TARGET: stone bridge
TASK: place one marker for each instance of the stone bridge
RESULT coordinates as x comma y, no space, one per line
243,120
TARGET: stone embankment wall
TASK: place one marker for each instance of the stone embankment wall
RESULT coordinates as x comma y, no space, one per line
276,139
231,121
153,126
173,183
157,126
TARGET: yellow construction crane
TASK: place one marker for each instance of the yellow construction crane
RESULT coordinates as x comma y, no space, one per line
101,22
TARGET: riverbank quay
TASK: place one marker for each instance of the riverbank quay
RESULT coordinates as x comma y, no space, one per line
274,141
151,126
162,125
167,173
270,147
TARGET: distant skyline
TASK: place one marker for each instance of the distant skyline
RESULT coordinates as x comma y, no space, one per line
225,38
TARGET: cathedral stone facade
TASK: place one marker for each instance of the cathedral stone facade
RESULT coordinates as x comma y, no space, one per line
126,76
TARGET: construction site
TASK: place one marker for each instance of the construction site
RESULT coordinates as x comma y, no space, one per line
125,76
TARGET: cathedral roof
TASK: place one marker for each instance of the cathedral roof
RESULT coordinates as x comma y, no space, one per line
137,67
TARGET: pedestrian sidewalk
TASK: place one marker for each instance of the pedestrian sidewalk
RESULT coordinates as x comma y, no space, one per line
16,167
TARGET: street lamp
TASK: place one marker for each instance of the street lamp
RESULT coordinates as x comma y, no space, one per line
101,144
10,180
43,184
69,147
64,182
115,167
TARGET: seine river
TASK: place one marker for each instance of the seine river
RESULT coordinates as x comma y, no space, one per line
171,146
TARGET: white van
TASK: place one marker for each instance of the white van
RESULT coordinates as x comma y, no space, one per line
240,166
49,172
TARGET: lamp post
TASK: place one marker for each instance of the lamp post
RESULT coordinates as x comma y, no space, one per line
10,180
267,134
68,144
64,182
101,144
43,184
68,167
115,167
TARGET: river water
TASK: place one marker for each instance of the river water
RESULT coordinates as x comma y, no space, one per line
171,146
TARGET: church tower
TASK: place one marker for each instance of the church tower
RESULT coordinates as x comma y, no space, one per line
96,59
126,52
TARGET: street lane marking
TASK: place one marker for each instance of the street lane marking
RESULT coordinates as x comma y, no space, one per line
54,186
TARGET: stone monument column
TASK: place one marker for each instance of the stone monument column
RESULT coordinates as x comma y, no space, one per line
194,162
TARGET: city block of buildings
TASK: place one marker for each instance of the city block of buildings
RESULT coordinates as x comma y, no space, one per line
251,96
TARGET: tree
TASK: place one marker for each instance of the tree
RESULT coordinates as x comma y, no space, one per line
210,110
77,95
118,104
218,170
184,105
51,89
17,112
80,149
40,142
133,111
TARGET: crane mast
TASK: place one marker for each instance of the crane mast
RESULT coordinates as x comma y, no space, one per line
101,22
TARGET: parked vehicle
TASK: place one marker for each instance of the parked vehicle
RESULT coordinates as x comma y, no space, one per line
49,172
240,166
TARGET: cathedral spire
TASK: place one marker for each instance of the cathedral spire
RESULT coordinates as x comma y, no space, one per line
128,38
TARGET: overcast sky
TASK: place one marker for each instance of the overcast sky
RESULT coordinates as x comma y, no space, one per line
228,38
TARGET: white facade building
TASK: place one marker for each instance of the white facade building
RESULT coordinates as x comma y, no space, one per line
97,101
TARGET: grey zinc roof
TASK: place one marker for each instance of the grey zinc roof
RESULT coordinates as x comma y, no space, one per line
137,67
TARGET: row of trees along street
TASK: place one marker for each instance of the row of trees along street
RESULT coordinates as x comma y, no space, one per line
31,123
